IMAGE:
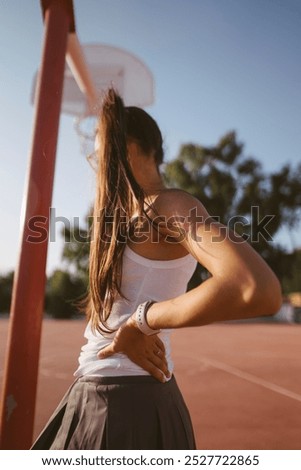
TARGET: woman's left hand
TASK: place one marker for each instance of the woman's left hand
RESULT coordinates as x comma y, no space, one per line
147,352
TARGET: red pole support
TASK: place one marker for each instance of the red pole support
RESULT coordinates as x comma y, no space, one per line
21,368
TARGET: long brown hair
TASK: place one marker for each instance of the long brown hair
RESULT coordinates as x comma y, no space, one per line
118,197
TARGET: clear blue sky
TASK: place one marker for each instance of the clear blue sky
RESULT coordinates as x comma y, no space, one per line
218,65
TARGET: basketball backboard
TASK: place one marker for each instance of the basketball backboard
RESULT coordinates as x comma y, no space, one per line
107,66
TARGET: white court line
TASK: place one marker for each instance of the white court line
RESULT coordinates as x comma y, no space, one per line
251,378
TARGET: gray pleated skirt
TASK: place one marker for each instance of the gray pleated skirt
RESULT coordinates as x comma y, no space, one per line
135,412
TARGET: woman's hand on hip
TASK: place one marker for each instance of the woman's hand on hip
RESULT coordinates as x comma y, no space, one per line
147,352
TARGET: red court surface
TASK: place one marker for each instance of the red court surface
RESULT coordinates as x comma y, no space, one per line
241,381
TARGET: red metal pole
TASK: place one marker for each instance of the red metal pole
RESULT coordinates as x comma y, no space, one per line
21,368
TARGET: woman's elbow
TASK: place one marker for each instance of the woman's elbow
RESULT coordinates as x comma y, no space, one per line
262,294
264,297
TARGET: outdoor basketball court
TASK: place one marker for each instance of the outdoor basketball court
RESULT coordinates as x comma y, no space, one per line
242,382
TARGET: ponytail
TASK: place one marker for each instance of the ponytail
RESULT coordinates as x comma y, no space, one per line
118,197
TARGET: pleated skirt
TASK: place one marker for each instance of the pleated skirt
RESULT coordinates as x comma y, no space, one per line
135,412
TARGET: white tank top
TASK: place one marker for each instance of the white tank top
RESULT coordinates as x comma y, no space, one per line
142,279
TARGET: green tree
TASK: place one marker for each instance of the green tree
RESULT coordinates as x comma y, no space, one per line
77,247
235,189
66,288
292,280
62,291
6,284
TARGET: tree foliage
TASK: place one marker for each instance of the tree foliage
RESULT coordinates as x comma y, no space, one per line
62,291
66,287
77,247
6,284
235,189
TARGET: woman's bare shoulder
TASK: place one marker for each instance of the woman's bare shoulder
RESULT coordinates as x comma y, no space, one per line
174,201
174,196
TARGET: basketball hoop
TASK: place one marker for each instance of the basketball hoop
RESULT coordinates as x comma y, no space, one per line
108,66
85,127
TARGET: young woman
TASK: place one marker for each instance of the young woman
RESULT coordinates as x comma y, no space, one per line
146,242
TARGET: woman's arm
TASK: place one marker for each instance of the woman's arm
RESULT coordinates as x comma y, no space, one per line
241,283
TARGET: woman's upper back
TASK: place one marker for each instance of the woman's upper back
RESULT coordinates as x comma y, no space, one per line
154,236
